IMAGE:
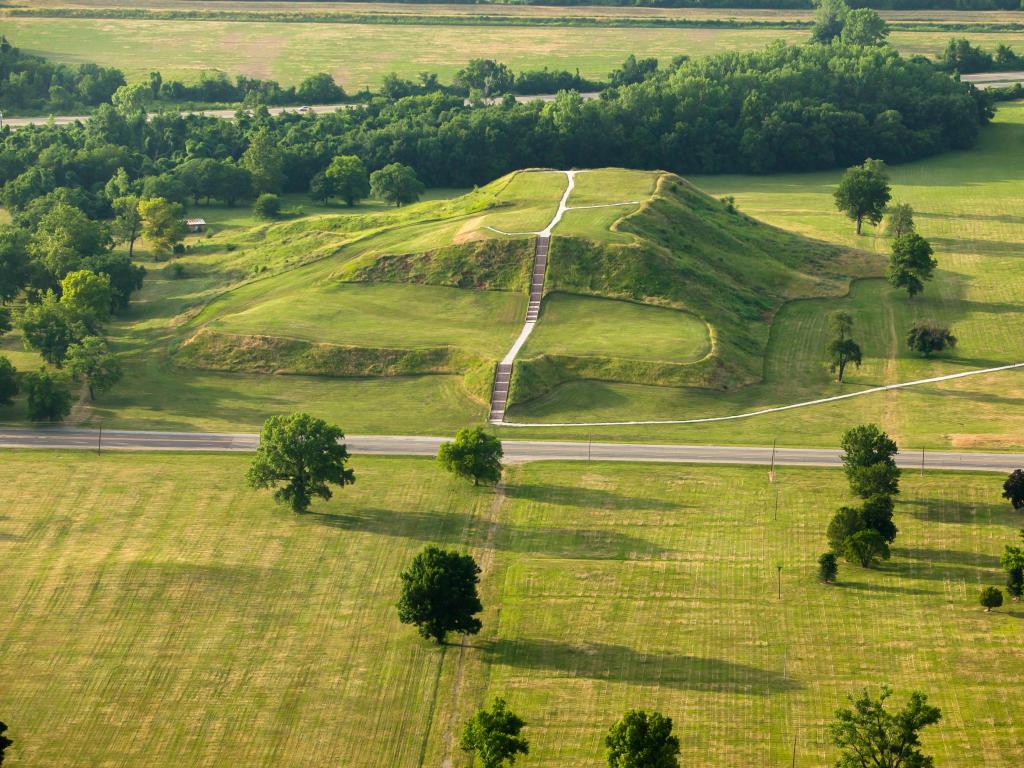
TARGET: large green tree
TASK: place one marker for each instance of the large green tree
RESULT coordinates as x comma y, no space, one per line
1012,561
163,224
396,183
127,225
50,327
348,179
1013,488
869,461
265,161
65,236
911,263
642,740
48,397
493,735
91,361
14,261
865,547
901,220
439,594
474,455
8,381
829,18
300,457
870,736
88,296
864,192
863,26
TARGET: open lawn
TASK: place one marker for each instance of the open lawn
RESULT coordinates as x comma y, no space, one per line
159,612
360,55
588,325
968,204
407,316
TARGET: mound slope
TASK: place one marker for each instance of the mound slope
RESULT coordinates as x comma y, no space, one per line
690,252
459,285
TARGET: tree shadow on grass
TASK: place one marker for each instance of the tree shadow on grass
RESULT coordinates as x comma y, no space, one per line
948,511
621,664
885,588
948,556
592,498
580,543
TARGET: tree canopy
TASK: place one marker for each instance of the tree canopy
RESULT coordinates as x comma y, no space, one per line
642,740
396,183
474,455
493,736
927,337
911,263
869,461
864,192
439,594
300,456
869,735
1013,488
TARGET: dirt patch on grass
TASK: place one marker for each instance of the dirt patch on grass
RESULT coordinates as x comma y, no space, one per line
983,440
469,231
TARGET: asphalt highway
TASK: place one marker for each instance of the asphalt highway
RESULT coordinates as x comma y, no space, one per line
515,450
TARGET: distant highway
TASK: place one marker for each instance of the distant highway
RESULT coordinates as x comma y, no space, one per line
229,114
985,80
515,450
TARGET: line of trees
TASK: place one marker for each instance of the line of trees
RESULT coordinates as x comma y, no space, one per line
960,56
783,108
862,534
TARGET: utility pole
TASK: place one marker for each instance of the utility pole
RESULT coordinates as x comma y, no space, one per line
590,440
794,750
778,567
776,502
771,472
922,462
99,440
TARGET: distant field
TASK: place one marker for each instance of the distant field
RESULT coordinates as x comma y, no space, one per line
360,55
157,612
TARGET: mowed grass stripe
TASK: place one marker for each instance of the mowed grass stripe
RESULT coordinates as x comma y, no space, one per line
161,613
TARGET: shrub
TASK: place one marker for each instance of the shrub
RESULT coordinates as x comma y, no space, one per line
267,206
828,567
991,597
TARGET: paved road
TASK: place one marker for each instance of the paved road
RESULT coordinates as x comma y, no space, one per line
229,114
985,80
515,450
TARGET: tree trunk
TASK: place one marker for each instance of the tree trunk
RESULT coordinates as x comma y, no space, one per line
92,395
842,368
860,220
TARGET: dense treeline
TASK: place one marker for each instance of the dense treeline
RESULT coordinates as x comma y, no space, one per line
960,56
32,83
784,108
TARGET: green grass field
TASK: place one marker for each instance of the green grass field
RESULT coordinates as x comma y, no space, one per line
360,55
587,325
968,204
159,612
387,316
